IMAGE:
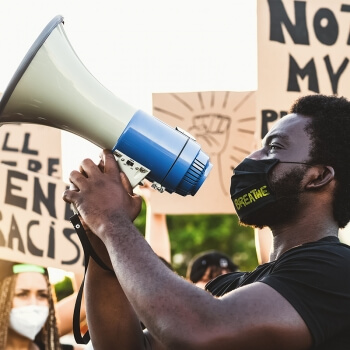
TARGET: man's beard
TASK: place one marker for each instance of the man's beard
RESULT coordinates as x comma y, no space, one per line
287,190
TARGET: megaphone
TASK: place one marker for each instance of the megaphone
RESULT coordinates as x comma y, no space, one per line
53,87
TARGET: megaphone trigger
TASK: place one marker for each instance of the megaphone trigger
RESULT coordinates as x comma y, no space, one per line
135,171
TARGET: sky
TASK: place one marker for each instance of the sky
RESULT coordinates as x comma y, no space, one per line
135,48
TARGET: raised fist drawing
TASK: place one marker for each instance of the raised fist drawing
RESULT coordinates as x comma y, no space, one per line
212,131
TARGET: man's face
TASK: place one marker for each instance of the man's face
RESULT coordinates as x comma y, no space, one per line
287,141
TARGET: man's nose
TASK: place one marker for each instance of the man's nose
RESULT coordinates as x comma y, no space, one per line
256,155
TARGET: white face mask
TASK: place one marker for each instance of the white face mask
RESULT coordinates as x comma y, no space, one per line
28,320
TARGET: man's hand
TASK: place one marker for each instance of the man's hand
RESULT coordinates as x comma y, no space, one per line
100,192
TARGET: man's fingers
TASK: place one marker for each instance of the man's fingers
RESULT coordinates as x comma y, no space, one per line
110,164
76,178
126,183
73,187
70,196
88,168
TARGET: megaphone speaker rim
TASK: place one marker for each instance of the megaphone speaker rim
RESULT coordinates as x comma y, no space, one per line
38,43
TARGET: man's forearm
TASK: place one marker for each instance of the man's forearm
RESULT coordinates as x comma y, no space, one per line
136,266
112,321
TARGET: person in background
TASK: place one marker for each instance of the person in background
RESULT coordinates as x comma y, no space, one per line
263,244
207,265
27,304
65,309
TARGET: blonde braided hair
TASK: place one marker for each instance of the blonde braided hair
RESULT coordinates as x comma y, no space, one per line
7,290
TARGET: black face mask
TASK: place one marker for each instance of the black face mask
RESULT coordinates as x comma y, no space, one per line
250,189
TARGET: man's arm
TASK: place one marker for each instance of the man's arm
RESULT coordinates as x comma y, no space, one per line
178,314
113,323
111,319
182,316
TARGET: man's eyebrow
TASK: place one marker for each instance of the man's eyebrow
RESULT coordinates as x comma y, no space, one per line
285,138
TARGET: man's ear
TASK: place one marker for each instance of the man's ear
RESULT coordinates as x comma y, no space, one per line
322,177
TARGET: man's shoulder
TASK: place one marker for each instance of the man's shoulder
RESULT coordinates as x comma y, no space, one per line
329,244
328,250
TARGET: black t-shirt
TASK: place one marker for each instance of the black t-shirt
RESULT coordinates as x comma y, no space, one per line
315,279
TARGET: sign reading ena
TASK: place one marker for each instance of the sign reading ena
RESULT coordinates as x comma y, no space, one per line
34,221
302,48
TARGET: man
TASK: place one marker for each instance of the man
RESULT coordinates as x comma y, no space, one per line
298,184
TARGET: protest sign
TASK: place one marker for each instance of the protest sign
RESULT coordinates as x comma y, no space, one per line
223,123
34,221
302,49
32,147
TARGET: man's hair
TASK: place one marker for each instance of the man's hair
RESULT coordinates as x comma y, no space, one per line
330,136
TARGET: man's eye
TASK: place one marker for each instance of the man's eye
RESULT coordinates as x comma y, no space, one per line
272,147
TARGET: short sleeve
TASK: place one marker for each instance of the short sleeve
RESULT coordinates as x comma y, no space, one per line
316,282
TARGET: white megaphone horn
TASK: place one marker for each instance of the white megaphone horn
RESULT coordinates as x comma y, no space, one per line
52,87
